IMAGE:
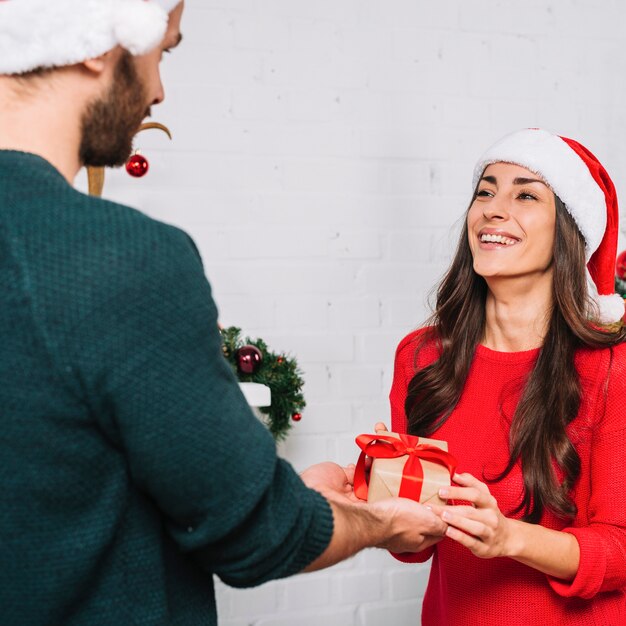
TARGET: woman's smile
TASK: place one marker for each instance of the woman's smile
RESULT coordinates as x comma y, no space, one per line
494,239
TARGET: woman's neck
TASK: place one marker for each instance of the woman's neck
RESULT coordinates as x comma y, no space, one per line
517,313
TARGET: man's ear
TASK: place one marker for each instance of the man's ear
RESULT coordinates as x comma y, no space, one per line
99,65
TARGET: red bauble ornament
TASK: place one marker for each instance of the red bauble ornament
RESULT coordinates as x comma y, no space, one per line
296,417
137,166
620,266
249,359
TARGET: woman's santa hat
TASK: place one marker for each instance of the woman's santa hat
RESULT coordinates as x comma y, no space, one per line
55,33
582,183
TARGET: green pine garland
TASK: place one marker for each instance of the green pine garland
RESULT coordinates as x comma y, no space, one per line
279,372
620,287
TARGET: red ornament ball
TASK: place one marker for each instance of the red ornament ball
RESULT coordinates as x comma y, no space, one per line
620,266
137,166
296,417
249,359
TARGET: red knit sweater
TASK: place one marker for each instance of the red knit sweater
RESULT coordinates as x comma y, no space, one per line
464,590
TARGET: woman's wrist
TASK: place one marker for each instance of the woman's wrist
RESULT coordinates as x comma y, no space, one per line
552,552
516,540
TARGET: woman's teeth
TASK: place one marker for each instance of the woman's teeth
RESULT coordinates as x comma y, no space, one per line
488,238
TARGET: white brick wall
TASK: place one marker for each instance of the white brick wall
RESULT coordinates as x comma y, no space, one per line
322,156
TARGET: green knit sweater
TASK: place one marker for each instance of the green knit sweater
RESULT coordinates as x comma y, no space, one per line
131,468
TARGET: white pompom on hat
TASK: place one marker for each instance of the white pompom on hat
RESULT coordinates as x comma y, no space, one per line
54,33
581,182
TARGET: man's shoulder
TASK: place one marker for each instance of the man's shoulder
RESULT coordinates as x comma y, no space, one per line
119,220
120,233
68,237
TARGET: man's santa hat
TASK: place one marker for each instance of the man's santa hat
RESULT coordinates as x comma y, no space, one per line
582,183
55,33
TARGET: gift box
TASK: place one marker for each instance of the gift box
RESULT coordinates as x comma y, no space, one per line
403,465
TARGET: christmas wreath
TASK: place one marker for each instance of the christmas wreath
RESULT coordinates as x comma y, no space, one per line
252,362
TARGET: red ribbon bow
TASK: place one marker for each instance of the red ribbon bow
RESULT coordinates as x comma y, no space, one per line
387,447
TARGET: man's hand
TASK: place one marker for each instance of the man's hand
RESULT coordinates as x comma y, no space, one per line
331,480
397,524
407,525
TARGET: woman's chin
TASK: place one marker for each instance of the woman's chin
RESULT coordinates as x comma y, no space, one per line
490,271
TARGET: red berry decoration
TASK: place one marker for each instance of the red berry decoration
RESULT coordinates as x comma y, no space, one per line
296,417
620,266
249,359
137,166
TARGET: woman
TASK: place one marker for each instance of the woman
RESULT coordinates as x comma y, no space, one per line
523,372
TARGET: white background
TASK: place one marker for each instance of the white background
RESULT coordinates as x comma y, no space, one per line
322,159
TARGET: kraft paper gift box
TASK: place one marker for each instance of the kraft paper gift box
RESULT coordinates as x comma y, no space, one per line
405,466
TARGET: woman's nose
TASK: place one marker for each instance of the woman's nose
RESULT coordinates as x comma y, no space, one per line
497,209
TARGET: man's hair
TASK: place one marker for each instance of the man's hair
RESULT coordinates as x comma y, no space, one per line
30,78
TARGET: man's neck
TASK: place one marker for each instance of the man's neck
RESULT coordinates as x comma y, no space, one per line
43,122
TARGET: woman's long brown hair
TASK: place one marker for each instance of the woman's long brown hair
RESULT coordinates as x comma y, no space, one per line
538,436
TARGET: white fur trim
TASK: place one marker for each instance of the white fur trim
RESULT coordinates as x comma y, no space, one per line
54,33
139,26
610,308
168,5
606,309
549,157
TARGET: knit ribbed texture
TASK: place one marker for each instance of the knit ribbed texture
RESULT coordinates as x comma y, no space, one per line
131,467
464,590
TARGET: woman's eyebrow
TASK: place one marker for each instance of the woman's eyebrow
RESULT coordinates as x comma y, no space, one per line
525,181
516,181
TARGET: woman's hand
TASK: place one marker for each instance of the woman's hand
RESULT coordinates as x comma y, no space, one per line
480,525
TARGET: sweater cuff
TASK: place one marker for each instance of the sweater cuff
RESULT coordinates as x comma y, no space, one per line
591,568
319,534
414,557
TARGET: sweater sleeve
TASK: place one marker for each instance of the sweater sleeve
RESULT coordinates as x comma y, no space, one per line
603,540
150,357
397,396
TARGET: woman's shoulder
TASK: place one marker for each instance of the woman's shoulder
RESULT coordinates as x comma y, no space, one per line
418,348
602,366
599,359
603,379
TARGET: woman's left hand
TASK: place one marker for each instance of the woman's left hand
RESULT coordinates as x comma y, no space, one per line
480,525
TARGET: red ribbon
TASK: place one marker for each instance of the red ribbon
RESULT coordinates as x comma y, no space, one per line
387,447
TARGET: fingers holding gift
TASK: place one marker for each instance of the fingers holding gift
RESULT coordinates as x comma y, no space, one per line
483,531
478,547
481,524
470,490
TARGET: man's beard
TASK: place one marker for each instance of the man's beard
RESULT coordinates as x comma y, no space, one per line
109,123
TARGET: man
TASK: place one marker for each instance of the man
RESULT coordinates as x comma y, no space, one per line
131,468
